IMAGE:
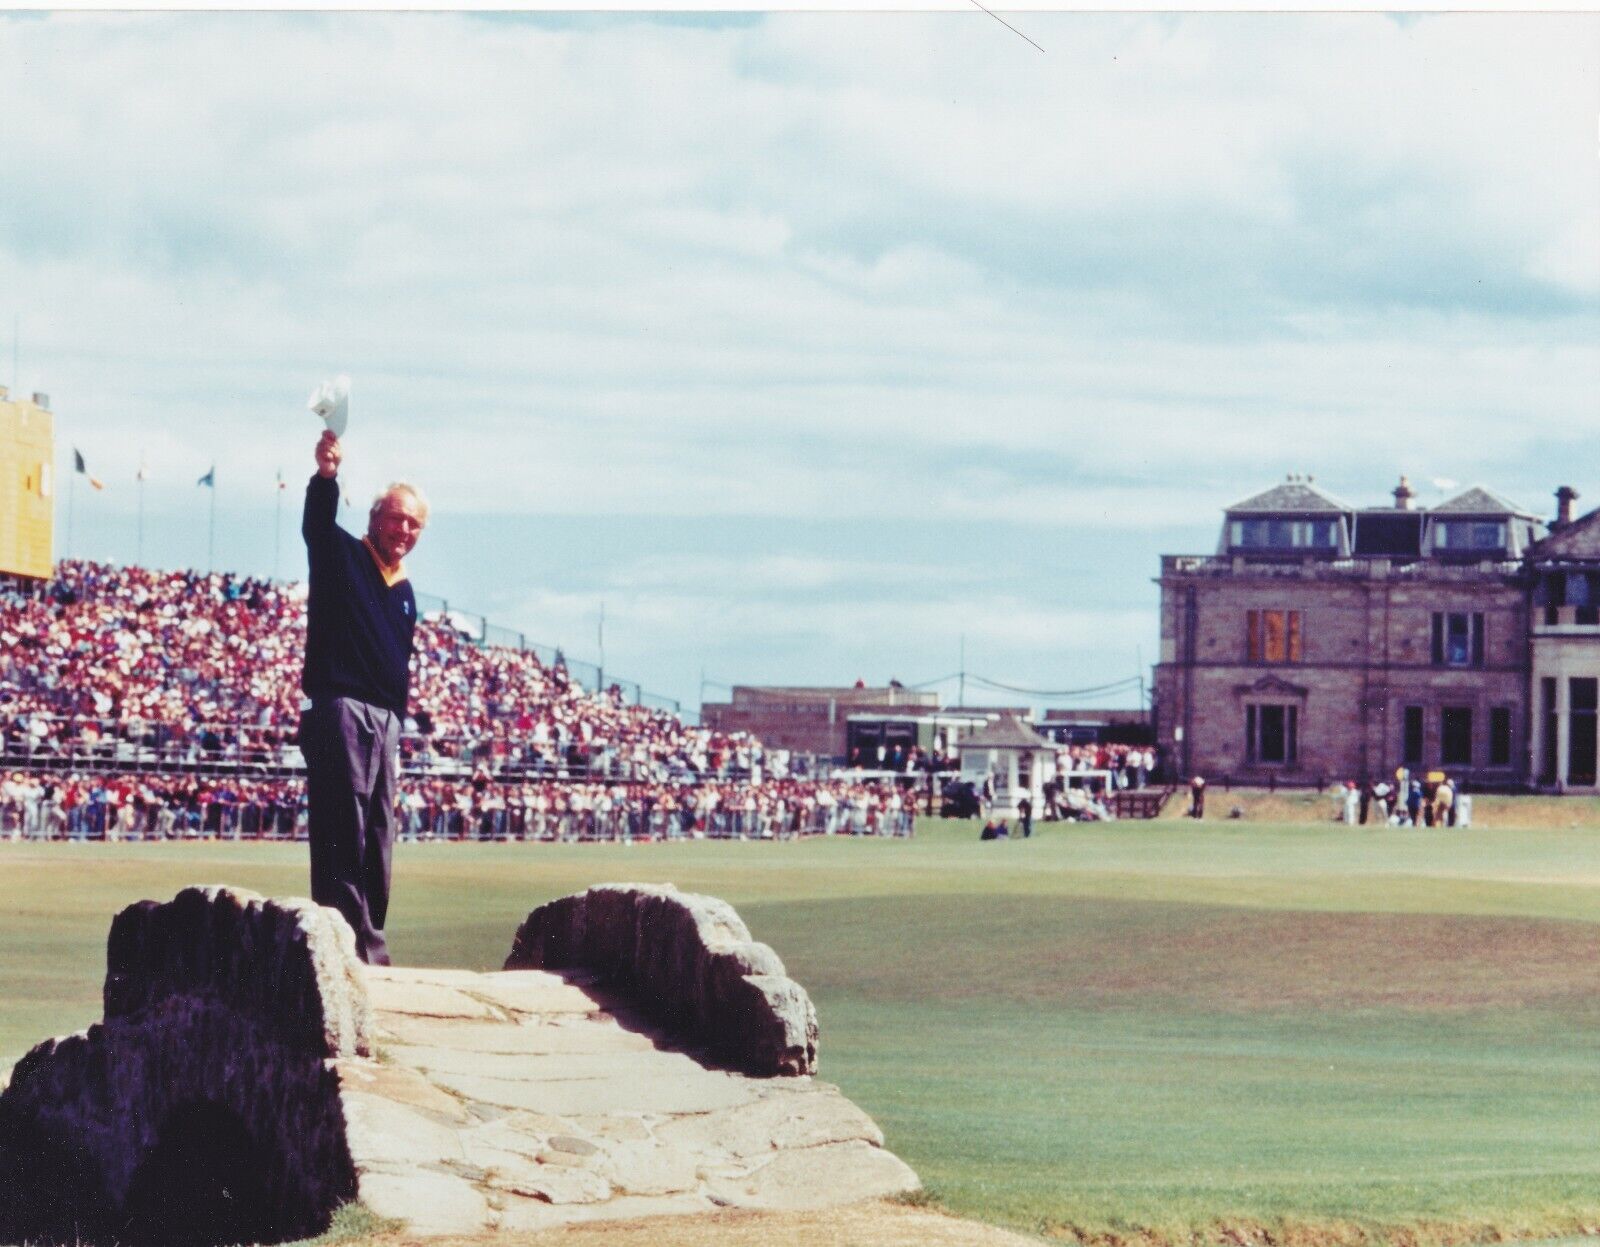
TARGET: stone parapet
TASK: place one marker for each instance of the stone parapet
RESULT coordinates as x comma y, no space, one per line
289,965
225,1014
688,958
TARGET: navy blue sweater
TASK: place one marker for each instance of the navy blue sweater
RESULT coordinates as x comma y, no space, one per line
358,628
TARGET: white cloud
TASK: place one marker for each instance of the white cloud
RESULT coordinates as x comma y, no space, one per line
847,266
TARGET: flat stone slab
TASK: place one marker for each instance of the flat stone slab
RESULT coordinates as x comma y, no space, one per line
817,1177
548,1066
428,1202
590,1034
640,1092
524,1100
434,1000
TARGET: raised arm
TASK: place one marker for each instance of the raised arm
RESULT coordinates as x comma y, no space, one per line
322,493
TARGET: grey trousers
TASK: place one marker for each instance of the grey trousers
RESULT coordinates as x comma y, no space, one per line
352,753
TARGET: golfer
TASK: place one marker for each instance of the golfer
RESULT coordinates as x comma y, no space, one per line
360,617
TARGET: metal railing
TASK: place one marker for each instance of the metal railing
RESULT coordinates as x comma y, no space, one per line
586,675
79,742
37,819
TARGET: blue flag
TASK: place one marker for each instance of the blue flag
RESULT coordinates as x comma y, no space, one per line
210,478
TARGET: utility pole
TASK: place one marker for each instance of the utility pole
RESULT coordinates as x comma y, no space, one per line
277,537
961,693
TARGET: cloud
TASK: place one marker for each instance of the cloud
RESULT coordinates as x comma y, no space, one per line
860,267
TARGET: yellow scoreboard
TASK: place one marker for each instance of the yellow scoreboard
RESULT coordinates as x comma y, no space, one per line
27,487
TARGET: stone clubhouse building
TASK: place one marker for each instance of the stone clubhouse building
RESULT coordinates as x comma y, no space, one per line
1325,642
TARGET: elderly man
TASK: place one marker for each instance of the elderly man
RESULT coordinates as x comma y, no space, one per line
361,614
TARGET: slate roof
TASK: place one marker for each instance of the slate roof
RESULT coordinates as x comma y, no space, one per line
1292,497
1476,500
1008,733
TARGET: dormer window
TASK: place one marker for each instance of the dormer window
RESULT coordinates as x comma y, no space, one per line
1275,534
1465,536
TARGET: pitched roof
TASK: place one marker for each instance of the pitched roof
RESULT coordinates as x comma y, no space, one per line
1294,497
1009,733
1578,539
1476,500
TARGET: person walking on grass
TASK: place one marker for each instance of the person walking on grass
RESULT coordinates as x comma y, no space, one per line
360,618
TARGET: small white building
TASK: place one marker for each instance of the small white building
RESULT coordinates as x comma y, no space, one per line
1020,760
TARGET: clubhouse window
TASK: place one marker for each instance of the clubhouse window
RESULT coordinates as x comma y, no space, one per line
1272,636
1411,736
1583,702
1582,597
1273,534
1500,736
1457,639
1551,718
1461,536
1455,736
1272,734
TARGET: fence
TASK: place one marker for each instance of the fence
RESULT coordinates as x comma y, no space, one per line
75,742
586,675
35,819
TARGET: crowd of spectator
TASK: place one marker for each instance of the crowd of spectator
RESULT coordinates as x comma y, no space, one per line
1130,766
119,806
131,664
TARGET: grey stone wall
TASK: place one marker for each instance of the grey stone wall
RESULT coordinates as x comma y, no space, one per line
688,958
224,1015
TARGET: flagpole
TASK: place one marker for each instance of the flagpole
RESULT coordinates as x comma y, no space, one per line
72,490
277,526
138,557
211,539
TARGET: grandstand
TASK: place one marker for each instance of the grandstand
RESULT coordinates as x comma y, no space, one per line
138,702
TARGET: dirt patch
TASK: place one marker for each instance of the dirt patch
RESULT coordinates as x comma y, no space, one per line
1323,1234
879,1224
888,1224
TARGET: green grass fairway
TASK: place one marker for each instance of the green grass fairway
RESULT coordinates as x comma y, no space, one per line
1237,1032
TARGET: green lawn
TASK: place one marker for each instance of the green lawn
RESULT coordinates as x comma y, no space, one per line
1306,1032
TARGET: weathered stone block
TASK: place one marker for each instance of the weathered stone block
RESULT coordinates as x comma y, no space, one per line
224,1016
690,960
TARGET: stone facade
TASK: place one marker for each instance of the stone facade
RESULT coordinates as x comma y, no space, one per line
1347,659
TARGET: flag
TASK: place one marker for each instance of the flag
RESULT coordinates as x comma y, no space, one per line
210,478
82,469
281,482
143,474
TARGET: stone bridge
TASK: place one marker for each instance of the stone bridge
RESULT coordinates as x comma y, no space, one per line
639,1054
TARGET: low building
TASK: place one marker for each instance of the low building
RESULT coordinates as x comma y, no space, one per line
811,720
872,728
1016,759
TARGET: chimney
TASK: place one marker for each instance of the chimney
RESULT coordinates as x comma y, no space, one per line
1403,494
41,401
1565,496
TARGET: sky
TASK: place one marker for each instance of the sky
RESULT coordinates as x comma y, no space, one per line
804,347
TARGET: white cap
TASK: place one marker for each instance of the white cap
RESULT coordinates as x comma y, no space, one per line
331,401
